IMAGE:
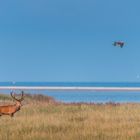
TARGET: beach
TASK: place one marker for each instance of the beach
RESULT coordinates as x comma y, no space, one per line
58,88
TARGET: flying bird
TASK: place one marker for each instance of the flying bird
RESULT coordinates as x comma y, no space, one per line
118,44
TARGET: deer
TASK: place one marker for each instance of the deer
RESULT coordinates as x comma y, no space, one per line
12,109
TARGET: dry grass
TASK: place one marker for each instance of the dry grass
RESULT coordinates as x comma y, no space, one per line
54,121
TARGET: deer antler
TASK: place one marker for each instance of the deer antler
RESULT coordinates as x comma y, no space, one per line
21,99
13,96
22,94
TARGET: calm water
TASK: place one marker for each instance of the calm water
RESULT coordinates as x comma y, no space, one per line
83,96
84,84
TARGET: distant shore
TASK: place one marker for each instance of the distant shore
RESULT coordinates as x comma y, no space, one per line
69,88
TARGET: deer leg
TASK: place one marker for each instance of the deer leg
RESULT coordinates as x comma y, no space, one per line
12,115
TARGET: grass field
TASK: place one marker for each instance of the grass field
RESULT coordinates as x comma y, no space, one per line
41,118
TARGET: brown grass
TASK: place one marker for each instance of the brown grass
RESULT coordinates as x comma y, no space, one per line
45,120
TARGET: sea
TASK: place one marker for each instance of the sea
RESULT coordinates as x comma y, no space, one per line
82,96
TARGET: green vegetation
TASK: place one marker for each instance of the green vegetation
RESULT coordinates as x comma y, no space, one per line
44,119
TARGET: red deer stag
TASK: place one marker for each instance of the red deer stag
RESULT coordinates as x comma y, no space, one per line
11,109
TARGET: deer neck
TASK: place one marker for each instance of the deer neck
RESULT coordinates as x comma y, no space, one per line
17,105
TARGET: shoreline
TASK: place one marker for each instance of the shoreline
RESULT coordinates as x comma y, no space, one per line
58,88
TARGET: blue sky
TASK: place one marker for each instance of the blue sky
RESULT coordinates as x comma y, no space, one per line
51,40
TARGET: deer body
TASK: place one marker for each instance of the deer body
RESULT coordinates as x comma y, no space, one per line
11,109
